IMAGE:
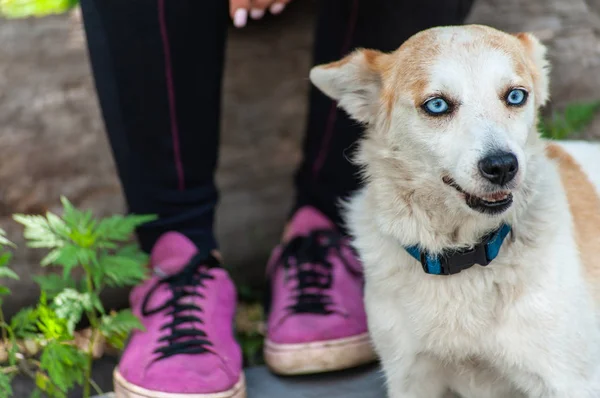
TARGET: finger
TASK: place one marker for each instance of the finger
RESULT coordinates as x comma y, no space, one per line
238,9
277,7
259,7
240,17
257,13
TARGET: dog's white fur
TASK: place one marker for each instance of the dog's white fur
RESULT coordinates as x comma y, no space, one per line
526,325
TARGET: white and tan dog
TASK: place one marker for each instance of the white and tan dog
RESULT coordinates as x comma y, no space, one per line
453,162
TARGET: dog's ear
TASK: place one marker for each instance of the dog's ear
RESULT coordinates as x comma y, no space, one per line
354,82
537,53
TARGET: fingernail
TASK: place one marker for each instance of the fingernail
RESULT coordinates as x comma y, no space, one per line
277,8
240,18
256,13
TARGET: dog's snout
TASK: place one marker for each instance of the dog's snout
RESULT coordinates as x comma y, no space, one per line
499,168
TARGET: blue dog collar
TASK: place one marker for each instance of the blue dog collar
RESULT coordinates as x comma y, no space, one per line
452,262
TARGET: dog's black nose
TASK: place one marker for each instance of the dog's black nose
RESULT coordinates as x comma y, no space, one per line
499,168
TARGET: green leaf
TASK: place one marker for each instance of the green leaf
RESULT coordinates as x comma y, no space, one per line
64,364
78,239
75,218
252,346
5,386
13,350
4,291
34,8
117,326
6,272
81,225
47,387
97,304
121,228
133,252
83,236
57,225
3,240
579,115
87,256
50,258
36,394
65,256
24,323
53,284
38,232
127,267
573,119
51,326
70,215
44,385
70,305
5,259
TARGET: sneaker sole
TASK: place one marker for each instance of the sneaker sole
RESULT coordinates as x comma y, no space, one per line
124,389
319,356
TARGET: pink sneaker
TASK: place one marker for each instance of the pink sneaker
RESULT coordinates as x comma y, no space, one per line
188,349
317,321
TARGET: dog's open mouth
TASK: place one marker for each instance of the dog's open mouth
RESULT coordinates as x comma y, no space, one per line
493,203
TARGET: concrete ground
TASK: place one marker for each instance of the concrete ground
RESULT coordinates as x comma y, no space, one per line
363,382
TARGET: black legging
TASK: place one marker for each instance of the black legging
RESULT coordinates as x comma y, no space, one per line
158,66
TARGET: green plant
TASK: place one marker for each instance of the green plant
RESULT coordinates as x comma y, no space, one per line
34,8
573,119
100,249
8,334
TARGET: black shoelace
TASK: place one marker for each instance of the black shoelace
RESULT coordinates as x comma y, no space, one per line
183,338
308,257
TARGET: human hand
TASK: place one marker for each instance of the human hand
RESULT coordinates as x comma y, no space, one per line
240,9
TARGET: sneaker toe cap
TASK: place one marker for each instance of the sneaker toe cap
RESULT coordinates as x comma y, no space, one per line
183,377
298,329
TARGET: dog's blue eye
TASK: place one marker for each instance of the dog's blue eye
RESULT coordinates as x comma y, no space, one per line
516,97
436,106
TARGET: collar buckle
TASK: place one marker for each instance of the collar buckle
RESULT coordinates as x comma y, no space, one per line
454,261
458,261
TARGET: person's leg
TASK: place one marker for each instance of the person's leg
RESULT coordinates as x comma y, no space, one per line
158,67
317,320
326,174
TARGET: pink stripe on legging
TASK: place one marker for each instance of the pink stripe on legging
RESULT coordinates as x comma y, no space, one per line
333,111
171,94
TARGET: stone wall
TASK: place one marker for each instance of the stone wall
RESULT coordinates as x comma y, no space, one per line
570,29
52,140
